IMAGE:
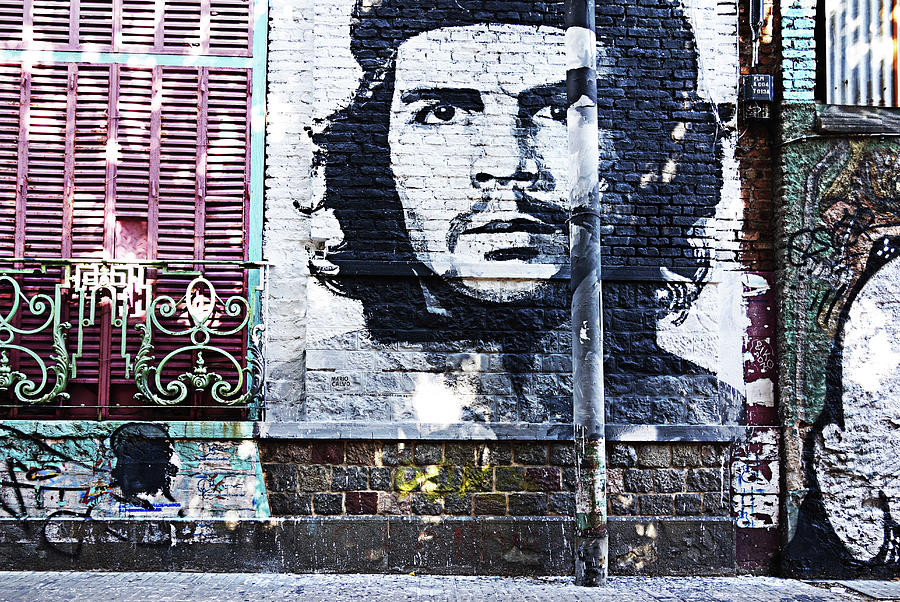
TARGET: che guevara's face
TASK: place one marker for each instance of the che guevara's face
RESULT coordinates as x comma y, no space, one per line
478,145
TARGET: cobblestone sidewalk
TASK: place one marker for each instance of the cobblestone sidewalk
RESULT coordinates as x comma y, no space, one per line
150,587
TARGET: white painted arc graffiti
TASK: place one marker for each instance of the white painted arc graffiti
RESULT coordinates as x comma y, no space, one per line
854,464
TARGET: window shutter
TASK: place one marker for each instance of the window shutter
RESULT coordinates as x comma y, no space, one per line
127,159
207,27
10,96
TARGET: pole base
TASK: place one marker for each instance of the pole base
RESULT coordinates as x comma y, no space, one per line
591,561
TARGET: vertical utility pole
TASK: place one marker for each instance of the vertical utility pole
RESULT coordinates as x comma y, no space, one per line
591,539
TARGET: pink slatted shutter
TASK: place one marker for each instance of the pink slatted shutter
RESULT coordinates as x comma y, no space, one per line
91,138
46,130
127,162
213,27
10,95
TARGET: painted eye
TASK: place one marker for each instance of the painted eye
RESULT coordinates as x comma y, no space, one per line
436,114
552,112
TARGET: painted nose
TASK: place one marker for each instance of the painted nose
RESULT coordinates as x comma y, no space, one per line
507,160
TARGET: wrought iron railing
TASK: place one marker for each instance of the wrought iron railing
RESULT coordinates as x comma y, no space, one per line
174,331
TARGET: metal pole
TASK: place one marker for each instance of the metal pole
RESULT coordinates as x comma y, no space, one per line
591,539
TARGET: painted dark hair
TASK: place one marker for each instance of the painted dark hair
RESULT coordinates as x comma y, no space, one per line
648,88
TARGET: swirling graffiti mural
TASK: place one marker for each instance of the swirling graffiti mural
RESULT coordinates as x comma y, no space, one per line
848,273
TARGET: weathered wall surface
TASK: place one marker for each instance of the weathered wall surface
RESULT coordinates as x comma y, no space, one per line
59,473
839,372
841,366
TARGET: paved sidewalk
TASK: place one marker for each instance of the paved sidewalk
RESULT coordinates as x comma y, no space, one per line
150,587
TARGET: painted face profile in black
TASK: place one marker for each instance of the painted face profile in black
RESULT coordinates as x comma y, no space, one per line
143,465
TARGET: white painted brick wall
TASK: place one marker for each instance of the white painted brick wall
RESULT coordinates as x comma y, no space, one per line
311,75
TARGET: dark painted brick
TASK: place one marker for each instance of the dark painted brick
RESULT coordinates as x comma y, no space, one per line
622,456
704,479
621,504
424,504
656,505
530,453
281,477
654,455
686,455
290,504
380,479
712,455
407,479
510,478
527,504
327,452
313,478
361,453
395,454
489,503
569,478
716,504
428,453
688,504
284,452
544,478
349,478
476,478
448,479
668,480
562,503
562,454
361,503
638,481
328,503
459,454
458,504
496,454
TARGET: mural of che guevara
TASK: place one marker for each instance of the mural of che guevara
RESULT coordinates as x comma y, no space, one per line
447,177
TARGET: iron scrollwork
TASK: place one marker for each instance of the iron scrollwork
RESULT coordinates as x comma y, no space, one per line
46,309
202,307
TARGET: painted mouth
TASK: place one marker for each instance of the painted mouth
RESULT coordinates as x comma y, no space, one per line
514,225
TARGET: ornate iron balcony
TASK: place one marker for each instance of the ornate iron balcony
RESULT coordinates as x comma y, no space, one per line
177,333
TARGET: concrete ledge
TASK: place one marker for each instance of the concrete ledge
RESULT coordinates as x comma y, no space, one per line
463,431
489,431
532,545
195,429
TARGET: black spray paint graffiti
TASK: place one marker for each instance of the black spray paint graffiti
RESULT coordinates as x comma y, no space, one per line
143,461
141,453
446,177
846,525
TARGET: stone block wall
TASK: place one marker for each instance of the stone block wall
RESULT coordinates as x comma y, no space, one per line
678,489
665,480
423,478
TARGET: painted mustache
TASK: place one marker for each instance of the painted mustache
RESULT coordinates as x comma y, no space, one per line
513,225
531,216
